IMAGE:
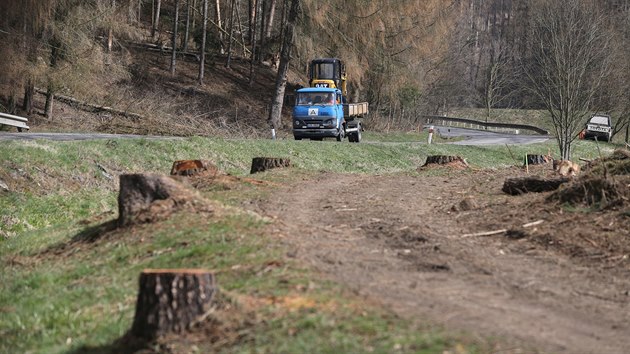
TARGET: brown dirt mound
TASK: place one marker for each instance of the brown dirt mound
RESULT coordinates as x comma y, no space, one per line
604,183
614,165
595,191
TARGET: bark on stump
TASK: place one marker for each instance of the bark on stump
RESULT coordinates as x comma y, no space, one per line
172,300
443,160
533,184
532,159
146,198
260,164
193,167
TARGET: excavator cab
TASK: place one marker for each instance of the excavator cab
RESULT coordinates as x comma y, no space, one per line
327,73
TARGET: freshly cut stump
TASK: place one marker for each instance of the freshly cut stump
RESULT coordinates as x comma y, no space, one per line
533,184
147,198
532,159
444,159
260,164
172,300
193,167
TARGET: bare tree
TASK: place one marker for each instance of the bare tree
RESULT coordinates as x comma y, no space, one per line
187,27
219,24
233,3
174,37
498,77
569,65
202,54
156,19
275,114
270,17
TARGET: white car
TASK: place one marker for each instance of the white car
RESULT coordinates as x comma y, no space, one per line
599,127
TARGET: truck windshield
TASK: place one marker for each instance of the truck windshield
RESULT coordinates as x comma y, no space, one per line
318,98
599,120
324,71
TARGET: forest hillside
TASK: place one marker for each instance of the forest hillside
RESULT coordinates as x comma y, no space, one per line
108,65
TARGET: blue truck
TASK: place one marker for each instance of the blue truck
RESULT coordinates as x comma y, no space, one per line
320,112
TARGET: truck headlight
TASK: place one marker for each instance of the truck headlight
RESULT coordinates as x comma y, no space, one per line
331,122
297,123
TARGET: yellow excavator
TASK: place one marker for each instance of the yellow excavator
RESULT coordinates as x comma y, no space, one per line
327,73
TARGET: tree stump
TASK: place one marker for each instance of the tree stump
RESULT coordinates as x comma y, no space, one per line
172,300
533,184
443,160
193,167
532,159
147,198
260,164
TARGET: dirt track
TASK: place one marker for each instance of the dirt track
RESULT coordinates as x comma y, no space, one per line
556,287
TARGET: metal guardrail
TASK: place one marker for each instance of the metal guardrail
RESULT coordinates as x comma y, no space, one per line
472,124
16,121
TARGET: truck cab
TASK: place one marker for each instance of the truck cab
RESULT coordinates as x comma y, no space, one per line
318,113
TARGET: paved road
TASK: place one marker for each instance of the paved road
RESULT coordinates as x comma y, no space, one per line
473,137
74,136
481,137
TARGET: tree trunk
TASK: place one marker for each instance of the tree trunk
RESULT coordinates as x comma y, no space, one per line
261,47
231,30
139,15
251,21
174,38
219,25
240,28
48,107
275,114
27,103
269,24
260,164
172,300
202,55
253,43
156,21
533,184
12,107
110,40
187,29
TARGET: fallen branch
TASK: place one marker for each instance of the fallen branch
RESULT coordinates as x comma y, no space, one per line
91,107
496,232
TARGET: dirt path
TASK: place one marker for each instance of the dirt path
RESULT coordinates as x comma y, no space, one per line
398,239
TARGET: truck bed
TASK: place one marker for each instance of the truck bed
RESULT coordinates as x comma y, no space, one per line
355,110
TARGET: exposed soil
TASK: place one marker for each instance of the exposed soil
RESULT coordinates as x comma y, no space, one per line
409,242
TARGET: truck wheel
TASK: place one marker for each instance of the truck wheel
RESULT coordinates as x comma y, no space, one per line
355,137
341,135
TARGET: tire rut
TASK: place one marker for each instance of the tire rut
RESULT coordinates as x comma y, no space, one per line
393,238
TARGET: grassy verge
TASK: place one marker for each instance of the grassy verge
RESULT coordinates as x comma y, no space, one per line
60,293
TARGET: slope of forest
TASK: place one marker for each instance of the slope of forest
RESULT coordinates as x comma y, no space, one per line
406,58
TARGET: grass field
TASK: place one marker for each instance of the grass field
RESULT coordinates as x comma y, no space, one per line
59,293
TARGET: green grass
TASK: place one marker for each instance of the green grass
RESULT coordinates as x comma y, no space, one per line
82,297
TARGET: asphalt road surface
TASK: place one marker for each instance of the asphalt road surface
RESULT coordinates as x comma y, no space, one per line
483,137
74,136
472,137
